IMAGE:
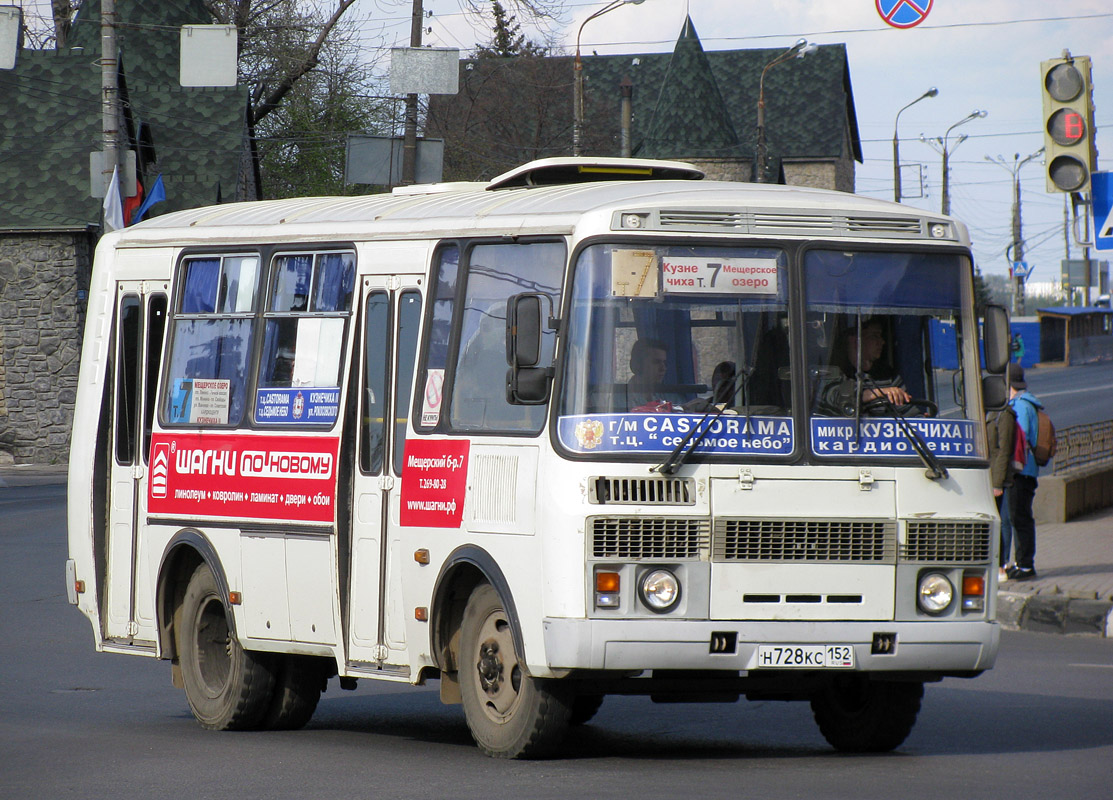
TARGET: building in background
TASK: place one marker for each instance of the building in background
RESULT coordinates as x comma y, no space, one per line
688,105
196,139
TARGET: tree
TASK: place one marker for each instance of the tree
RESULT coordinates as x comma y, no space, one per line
508,41
302,143
512,106
280,41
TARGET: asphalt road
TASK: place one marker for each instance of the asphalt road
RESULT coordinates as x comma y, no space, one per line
77,723
1074,395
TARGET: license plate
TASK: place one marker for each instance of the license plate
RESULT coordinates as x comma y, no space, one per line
805,656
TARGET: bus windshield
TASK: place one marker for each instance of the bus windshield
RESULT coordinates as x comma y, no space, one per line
884,339
658,335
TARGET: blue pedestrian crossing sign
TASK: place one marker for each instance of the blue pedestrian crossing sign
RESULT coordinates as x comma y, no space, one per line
1101,186
1021,270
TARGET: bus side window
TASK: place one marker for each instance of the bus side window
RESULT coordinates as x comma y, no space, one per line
409,320
303,337
127,378
376,368
156,331
439,332
495,272
211,336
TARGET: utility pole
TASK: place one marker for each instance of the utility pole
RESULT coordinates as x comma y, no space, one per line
409,138
1015,251
1066,288
110,93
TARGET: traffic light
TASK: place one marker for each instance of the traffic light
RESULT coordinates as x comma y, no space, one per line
1068,120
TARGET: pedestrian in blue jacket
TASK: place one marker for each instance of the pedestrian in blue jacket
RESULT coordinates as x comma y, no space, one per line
1023,490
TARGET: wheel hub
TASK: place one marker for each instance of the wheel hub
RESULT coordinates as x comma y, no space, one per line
490,667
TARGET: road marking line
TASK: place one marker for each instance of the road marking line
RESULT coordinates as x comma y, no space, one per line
1074,391
1092,666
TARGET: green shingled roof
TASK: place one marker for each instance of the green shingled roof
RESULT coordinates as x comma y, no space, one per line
809,106
690,119
52,120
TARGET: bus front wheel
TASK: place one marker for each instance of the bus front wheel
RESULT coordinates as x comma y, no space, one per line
859,715
509,713
228,688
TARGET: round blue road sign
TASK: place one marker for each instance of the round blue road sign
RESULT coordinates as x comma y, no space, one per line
903,13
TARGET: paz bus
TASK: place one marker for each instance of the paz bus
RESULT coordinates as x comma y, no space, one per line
408,437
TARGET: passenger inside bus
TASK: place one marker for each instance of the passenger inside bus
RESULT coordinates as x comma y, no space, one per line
881,384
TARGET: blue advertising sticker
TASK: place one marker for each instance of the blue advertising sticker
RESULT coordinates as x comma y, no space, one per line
303,405
662,433
832,436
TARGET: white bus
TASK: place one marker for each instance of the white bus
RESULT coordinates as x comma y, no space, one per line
593,428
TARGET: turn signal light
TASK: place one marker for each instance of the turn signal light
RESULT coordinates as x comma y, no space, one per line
973,592
607,588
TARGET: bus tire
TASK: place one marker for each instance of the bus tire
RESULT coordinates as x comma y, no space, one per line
297,690
227,687
584,708
509,713
859,715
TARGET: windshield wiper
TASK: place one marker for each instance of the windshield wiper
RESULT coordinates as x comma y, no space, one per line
935,470
679,455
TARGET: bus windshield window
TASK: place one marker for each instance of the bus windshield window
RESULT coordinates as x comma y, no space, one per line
884,338
211,341
660,335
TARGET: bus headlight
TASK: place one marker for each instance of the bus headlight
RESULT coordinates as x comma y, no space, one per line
935,593
659,590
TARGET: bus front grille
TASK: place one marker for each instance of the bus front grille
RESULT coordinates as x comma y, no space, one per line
650,537
807,540
946,541
642,491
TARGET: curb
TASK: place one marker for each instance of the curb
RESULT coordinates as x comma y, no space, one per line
1076,613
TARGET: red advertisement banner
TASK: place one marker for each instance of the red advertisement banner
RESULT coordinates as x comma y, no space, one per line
434,482
288,478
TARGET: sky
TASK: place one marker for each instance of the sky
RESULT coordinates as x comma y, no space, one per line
982,55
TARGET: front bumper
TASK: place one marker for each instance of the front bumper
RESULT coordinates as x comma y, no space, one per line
645,644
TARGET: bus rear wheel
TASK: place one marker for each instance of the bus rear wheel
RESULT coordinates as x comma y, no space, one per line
509,713
298,682
228,688
859,715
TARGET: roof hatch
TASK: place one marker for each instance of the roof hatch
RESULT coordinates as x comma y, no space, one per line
552,171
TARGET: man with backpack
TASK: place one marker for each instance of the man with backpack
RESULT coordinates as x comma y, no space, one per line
1023,490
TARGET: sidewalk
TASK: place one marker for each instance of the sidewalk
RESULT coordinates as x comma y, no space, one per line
1074,561
1074,590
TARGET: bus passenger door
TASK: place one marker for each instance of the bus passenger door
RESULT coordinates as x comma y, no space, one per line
139,329
388,341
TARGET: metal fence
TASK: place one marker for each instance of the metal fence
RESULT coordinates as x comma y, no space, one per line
1083,446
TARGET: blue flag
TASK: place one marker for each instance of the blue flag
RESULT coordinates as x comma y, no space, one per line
156,195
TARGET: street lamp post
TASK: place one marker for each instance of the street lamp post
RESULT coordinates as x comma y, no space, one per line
1017,246
942,145
578,77
932,92
798,50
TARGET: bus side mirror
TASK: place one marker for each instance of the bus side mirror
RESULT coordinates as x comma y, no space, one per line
523,330
526,382
994,392
995,332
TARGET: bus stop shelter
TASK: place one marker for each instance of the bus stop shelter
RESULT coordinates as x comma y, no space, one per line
1071,336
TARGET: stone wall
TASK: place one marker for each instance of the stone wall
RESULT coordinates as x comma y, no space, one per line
44,278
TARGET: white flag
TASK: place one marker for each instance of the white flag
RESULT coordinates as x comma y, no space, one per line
113,209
